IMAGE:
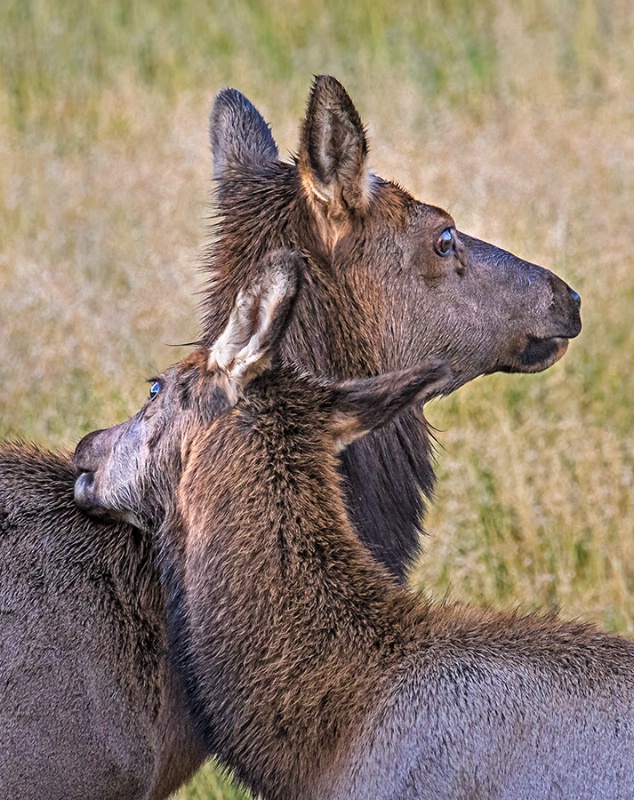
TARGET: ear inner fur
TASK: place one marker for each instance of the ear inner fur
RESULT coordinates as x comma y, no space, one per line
333,159
243,350
364,404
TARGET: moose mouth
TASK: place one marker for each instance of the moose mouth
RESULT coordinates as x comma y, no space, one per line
539,354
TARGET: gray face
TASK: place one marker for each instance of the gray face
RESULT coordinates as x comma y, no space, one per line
112,463
432,290
128,471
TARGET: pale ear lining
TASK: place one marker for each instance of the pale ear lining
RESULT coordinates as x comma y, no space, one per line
244,348
361,405
333,150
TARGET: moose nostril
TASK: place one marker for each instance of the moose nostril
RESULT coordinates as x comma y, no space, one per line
85,481
575,296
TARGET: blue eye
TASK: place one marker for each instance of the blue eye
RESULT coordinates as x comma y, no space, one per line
155,388
445,242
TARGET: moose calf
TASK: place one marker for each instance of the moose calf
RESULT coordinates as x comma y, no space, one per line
308,670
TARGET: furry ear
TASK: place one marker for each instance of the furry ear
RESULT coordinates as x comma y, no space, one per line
245,347
363,404
333,151
239,135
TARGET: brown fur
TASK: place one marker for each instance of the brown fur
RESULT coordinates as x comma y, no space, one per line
310,672
376,295
366,305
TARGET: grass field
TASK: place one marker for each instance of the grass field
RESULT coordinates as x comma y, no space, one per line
516,116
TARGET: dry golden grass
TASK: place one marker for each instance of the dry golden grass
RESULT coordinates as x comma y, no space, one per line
518,117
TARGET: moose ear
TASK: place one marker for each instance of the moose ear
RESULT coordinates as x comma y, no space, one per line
244,349
239,135
363,404
333,151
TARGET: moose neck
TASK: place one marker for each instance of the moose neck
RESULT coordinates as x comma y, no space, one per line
290,622
388,475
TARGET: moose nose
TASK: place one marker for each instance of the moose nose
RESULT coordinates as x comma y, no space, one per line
575,297
83,455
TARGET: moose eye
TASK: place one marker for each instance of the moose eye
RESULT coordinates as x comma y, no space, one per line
445,242
155,388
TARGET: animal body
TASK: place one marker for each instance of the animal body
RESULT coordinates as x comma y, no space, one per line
386,282
310,672
90,706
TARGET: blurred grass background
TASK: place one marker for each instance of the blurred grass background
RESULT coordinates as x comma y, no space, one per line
516,116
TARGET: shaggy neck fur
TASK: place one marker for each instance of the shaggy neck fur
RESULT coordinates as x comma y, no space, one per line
289,620
301,654
83,636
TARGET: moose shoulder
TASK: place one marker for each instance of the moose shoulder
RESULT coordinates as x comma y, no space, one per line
388,282
309,671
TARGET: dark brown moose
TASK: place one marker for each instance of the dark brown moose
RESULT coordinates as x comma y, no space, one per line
89,697
309,671
388,282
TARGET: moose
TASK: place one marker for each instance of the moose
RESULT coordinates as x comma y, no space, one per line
309,671
92,704
388,282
